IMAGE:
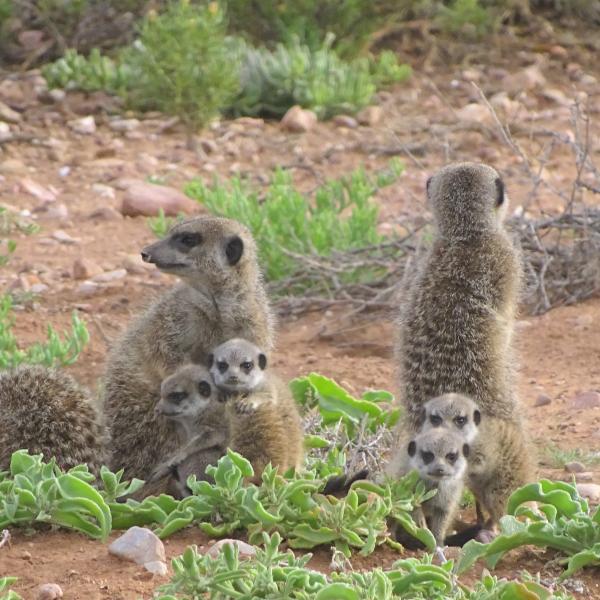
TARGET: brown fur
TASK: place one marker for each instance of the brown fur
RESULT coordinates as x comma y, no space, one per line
45,411
456,327
215,301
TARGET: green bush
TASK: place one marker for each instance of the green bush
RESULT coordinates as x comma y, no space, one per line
466,17
182,65
287,224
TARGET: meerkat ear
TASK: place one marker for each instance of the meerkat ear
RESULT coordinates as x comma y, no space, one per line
210,360
262,361
499,191
412,448
234,250
466,450
428,184
476,417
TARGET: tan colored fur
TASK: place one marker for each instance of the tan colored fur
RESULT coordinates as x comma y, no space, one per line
215,301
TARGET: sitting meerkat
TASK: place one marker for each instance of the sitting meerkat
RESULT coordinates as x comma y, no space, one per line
439,456
264,422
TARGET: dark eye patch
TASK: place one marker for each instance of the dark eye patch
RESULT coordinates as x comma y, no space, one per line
451,457
499,191
427,457
460,421
435,420
186,240
204,388
176,397
247,366
222,366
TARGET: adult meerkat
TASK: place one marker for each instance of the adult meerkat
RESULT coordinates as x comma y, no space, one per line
45,411
455,329
220,296
500,461
439,456
265,425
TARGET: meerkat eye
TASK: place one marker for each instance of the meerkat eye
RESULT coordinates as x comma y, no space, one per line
204,388
177,397
435,420
451,457
247,366
187,240
460,421
427,457
222,366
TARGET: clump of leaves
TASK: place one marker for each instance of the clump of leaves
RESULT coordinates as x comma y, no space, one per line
466,17
183,64
318,79
559,457
288,224
92,73
37,492
10,221
562,521
55,351
161,224
5,592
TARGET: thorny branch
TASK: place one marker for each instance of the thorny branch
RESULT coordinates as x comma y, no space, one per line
561,250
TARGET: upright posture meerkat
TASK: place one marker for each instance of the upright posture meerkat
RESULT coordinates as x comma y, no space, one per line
439,455
264,422
221,296
456,326
46,411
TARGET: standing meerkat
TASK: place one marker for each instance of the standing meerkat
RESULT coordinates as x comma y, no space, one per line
456,326
501,459
45,411
439,456
221,295
265,425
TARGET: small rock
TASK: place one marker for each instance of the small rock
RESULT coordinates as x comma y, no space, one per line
110,276
472,75
584,476
586,400
37,190
124,125
56,95
588,80
64,238
38,288
88,288
370,115
49,591
542,400
345,121
104,191
26,555
559,52
556,95
139,545
474,112
85,269
299,120
527,79
4,130
591,491
156,567
84,126
250,122
31,39
60,212
12,166
245,550
106,213
209,146
574,467
147,199
8,114
133,263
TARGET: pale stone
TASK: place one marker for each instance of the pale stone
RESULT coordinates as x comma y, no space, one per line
370,115
84,126
49,591
245,550
146,199
299,120
139,545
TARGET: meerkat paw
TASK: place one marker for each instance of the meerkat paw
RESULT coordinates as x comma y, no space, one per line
244,408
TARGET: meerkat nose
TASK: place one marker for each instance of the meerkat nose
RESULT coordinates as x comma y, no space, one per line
146,256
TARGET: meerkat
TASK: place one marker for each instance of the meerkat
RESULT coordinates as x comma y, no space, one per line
501,459
440,457
191,401
455,328
221,295
263,417
45,411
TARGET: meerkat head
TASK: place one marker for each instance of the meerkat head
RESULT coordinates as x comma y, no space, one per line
467,198
454,412
207,252
186,394
438,454
237,366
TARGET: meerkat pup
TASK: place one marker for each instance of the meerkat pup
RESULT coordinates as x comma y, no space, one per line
221,295
439,456
501,460
45,411
456,326
265,425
